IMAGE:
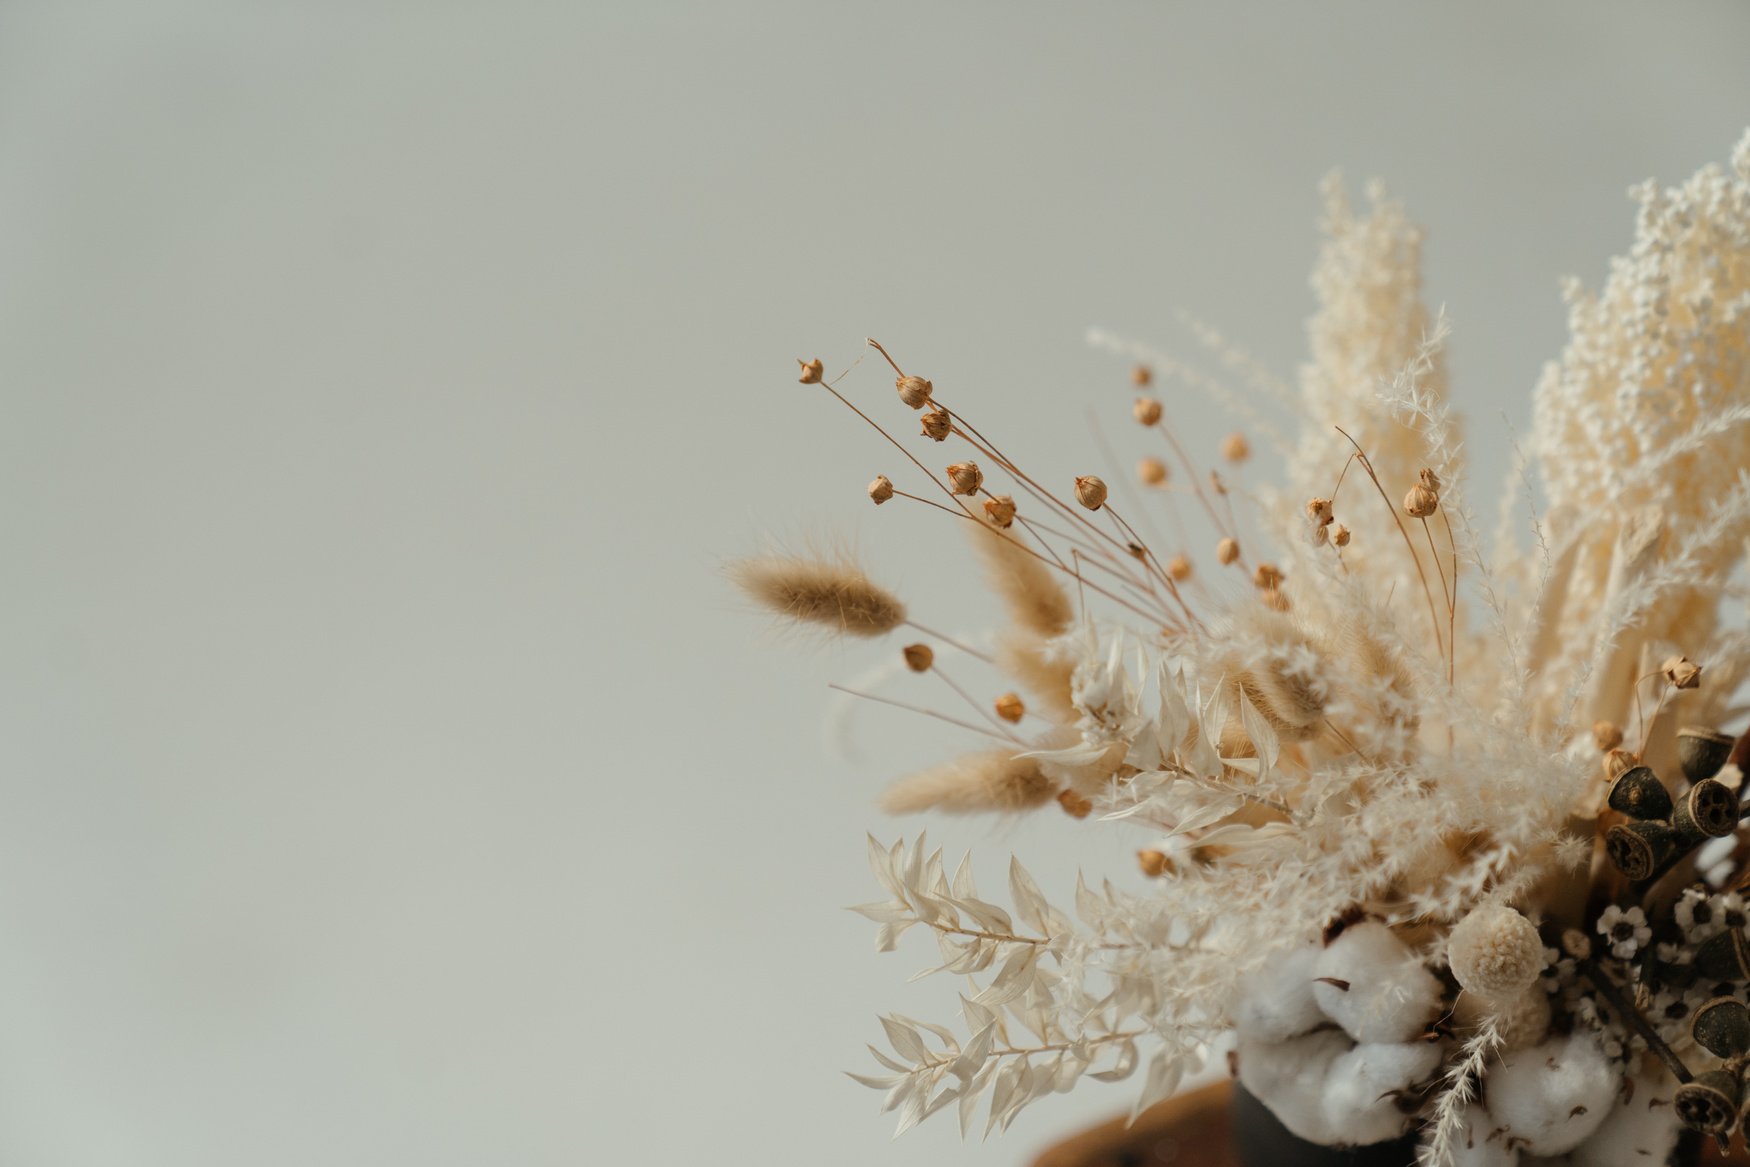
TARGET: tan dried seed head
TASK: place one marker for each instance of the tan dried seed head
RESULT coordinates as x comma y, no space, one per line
965,477
881,489
1178,569
1010,708
1154,863
1227,551
1607,734
1147,410
937,424
1682,672
1141,375
1074,805
812,371
1267,576
1152,471
1235,448
1617,762
1000,510
1319,511
1275,600
1090,492
1421,502
1340,535
919,657
914,391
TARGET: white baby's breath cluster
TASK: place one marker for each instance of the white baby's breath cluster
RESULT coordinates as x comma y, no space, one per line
1430,851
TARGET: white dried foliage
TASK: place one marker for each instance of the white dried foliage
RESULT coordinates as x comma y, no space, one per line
1398,742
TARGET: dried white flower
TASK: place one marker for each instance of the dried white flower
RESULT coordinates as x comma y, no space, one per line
1624,931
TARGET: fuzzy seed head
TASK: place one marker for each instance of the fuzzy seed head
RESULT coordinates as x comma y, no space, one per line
1421,502
1074,805
1339,535
1178,569
937,424
1152,471
1267,576
1147,410
1154,863
830,593
1495,952
965,477
1090,492
1235,448
919,657
1319,511
1682,672
1141,375
914,391
1000,510
881,489
1010,708
1607,734
812,371
1227,551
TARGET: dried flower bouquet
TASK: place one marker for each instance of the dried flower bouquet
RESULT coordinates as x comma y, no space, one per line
1444,833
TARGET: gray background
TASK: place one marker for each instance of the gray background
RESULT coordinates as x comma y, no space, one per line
387,775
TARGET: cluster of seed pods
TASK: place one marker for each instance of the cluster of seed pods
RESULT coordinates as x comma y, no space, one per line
1664,830
1711,1102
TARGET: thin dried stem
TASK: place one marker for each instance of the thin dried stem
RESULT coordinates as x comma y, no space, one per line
966,725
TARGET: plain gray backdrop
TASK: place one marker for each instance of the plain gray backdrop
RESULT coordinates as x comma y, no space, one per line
386,774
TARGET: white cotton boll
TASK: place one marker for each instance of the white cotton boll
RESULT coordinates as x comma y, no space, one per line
1553,1095
1636,1133
1374,987
1276,999
1289,1078
1362,1089
1480,1144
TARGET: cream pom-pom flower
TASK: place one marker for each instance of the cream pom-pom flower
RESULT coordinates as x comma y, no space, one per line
1495,952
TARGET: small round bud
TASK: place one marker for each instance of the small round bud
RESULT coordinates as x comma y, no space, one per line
1152,471
1682,672
937,424
1178,569
1607,734
1577,944
1147,410
1267,576
812,371
881,489
1617,763
1090,492
1429,479
1235,448
965,477
1421,502
1154,863
1000,510
919,657
1074,805
1319,511
1141,375
1227,551
914,391
1340,535
1495,952
1009,707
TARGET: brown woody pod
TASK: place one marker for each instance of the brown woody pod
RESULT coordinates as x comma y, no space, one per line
1638,793
1707,810
1710,1103
1724,957
1722,1027
1640,850
1702,752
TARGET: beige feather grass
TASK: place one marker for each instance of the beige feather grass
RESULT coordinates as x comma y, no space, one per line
992,780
